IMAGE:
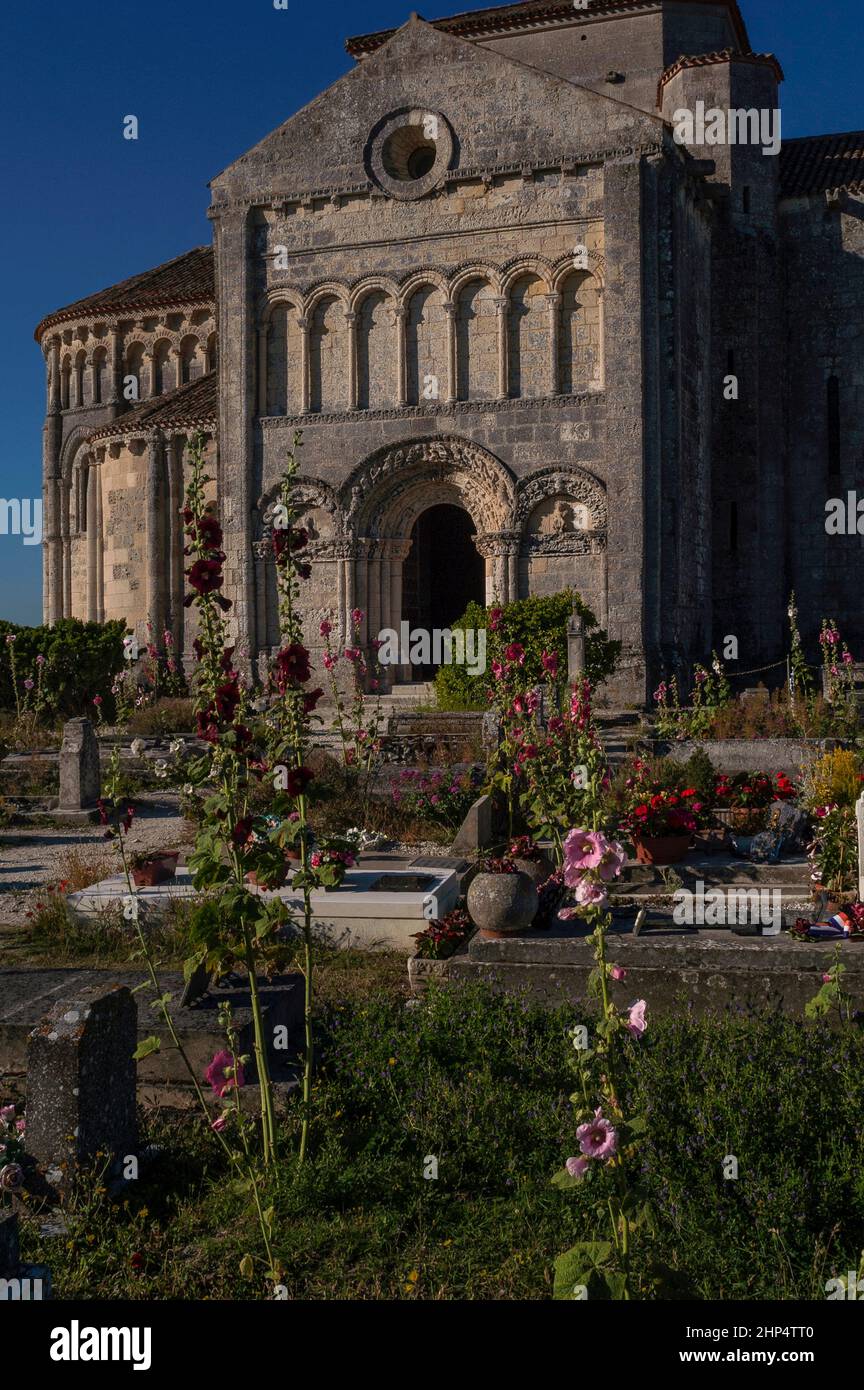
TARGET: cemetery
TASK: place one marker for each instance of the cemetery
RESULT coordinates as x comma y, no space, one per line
321,992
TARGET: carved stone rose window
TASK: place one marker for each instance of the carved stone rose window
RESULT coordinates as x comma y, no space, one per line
409,152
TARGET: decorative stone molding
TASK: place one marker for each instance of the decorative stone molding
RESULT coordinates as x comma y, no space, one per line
587,399
577,485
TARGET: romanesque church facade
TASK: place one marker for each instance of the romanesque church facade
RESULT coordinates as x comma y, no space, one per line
505,305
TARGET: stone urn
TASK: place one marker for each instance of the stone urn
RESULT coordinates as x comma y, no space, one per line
502,905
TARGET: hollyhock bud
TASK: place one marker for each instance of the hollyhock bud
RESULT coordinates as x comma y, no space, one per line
578,1167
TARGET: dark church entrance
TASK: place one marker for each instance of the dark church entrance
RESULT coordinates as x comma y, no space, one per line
442,573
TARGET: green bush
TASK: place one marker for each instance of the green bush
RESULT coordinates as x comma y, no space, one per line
538,624
81,661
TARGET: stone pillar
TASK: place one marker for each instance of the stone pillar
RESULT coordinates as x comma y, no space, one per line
148,366
305,364
554,302
176,566
80,778
53,363
100,536
502,309
115,367
351,323
401,315
92,541
263,335
452,370
81,1077
575,647
600,375
155,549
177,362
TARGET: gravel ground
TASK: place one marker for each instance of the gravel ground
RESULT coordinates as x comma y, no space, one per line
32,858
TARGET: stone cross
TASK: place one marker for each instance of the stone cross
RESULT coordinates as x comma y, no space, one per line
81,1078
859,811
575,647
80,781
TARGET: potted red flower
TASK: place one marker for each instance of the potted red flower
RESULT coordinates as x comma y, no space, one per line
662,826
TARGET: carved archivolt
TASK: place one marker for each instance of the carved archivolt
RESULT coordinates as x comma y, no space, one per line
386,494
576,520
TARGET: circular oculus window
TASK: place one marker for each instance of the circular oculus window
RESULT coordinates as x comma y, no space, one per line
410,153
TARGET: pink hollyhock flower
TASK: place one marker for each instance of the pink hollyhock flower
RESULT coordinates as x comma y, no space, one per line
216,1074
20,1125
7,1113
848,659
636,1023
612,863
549,662
29,684
598,1138
495,616
97,699
40,660
618,972
326,628
577,1167
515,653
826,980
329,661
220,1124
568,914
497,670
589,893
583,849
357,616
532,702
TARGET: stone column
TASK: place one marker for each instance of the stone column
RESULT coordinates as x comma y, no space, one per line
176,566
554,302
100,537
305,364
601,345
502,309
263,335
115,367
53,368
575,647
401,315
156,482
452,376
92,541
176,357
351,323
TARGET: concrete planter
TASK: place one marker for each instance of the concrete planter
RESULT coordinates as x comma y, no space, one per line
502,905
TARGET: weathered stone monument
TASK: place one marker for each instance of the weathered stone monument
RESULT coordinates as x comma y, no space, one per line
81,1077
80,779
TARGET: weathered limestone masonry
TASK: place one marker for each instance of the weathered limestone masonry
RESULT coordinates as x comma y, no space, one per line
501,302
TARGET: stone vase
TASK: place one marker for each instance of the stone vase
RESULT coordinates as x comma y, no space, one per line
502,905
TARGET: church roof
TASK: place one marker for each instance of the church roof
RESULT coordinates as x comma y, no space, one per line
187,279
532,14
817,163
728,55
193,406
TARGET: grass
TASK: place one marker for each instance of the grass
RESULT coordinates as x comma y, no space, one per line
480,1083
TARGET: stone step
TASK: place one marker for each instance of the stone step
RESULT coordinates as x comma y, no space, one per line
720,870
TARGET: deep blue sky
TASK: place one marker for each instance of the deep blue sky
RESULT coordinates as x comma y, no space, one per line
208,79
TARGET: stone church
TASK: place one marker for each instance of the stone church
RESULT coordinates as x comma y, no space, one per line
532,340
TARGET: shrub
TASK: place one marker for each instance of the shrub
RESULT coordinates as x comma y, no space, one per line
172,715
81,661
834,780
538,624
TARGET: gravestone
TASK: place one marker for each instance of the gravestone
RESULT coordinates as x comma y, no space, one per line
477,829
80,780
81,1077
859,811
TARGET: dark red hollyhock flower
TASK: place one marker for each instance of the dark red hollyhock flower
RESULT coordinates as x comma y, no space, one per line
303,569
297,780
208,729
127,819
242,737
103,814
205,576
137,1262
242,832
311,700
210,533
227,700
292,666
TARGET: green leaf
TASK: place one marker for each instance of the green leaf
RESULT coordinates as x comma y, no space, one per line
578,1267
146,1048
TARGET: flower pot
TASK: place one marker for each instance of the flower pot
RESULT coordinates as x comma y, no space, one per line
538,870
278,881
160,869
661,849
502,905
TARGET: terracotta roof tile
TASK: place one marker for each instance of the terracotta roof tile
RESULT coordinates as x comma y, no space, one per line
817,163
702,60
187,279
528,15
193,406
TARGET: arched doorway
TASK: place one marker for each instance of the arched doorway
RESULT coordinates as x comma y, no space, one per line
442,573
